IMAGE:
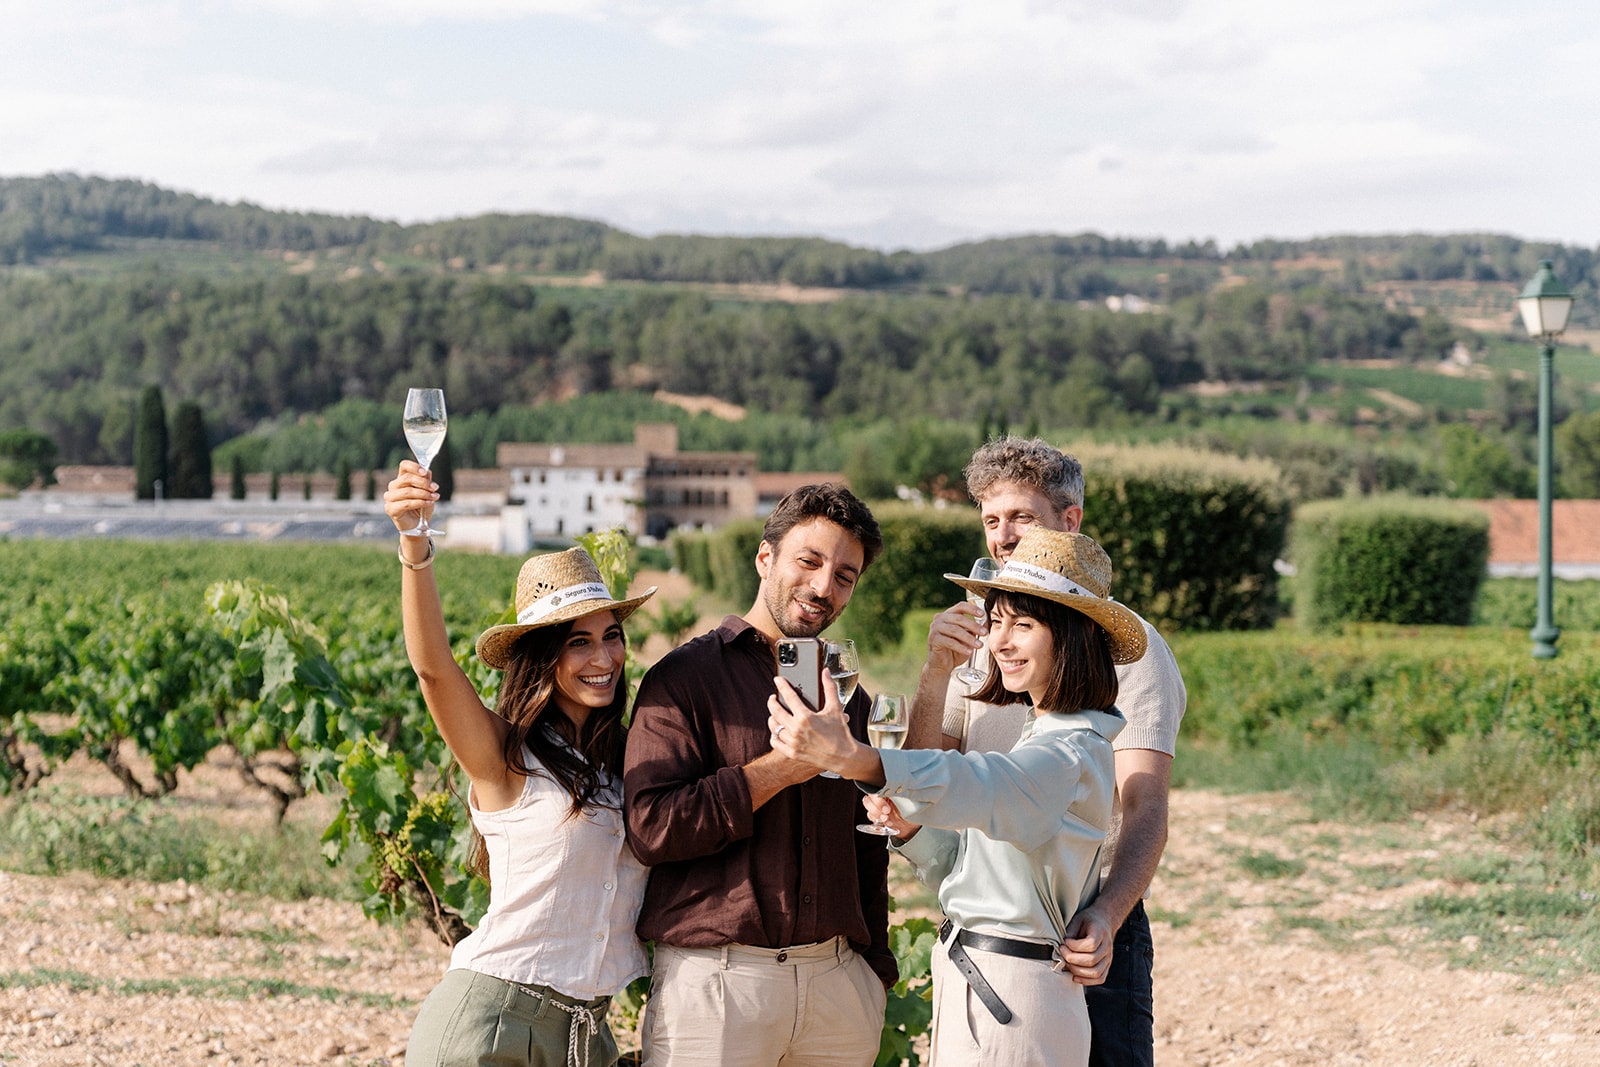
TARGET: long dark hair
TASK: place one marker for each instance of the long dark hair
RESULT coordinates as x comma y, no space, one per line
1084,677
582,760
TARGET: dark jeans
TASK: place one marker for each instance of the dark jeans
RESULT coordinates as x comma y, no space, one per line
1122,1011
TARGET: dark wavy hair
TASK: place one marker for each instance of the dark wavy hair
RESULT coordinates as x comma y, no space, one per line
829,501
1085,678
580,760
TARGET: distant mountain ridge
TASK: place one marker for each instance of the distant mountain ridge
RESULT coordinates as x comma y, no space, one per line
67,217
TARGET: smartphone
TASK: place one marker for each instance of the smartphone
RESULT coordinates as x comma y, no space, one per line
800,664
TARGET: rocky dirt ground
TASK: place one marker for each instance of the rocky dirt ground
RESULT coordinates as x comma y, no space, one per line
111,972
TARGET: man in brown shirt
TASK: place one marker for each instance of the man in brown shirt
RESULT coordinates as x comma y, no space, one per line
768,910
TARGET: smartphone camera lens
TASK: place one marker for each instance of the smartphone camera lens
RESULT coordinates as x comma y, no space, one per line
788,655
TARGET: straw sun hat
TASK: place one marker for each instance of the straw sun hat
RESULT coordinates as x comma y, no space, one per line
1070,569
554,588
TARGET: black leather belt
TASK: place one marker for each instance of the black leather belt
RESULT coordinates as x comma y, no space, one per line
956,948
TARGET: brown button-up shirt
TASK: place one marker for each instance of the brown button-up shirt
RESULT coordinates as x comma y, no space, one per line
792,873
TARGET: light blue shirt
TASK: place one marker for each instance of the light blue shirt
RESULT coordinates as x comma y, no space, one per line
1010,842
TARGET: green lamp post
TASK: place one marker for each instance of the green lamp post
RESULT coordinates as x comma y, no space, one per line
1545,305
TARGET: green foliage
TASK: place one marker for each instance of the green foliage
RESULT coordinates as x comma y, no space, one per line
341,480
1193,538
52,832
26,457
1404,690
1511,602
908,1012
732,557
1577,444
691,556
920,545
191,454
1393,559
921,454
150,445
236,482
1477,465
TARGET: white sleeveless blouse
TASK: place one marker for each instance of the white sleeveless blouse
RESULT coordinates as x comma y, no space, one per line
564,894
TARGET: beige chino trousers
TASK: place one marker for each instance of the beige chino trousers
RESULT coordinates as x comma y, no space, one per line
809,1006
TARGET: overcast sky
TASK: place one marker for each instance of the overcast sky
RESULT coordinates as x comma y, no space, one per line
883,122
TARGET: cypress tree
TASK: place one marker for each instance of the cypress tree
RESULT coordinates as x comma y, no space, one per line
236,488
444,473
272,486
191,454
150,446
372,485
341,487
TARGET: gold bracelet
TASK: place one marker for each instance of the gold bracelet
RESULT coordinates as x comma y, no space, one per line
424,565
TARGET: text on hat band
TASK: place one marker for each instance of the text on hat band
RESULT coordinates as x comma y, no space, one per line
551,601
1045,579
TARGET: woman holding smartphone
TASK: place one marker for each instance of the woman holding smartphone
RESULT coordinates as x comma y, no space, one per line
1011,841
531,985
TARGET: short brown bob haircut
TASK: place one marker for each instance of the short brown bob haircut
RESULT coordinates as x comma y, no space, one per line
1085,678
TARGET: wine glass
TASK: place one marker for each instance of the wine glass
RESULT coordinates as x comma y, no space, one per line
841,664
425,425
885,729
984,569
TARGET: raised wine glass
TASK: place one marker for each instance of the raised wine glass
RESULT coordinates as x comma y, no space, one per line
841,664
984,569
885,729
425,425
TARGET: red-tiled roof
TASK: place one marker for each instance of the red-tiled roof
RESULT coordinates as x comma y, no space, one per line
1514,531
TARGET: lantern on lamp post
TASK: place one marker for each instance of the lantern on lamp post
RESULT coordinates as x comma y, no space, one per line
1545,305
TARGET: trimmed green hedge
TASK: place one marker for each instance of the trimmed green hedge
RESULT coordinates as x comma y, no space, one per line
691,555
732,559
1193,536
919,546
1407,688
1389,559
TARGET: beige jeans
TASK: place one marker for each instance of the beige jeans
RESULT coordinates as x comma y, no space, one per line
1049,1024
808,1006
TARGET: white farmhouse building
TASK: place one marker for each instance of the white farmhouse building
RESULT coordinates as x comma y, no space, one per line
649,487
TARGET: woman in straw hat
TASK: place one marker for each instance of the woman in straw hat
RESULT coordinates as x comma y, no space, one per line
1009,841
532,983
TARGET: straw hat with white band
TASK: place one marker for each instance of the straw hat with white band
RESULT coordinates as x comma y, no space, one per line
1070,569
554,588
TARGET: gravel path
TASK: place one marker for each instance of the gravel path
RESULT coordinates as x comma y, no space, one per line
96,972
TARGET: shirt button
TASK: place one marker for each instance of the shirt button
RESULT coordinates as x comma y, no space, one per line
805,840
599,937
608,886
806,899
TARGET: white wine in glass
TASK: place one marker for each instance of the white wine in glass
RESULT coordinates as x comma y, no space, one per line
885,729
425,422
841,664
984,569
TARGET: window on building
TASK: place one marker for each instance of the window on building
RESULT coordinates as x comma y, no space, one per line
588,503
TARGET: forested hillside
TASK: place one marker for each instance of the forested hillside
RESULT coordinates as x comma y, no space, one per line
275,323
45,219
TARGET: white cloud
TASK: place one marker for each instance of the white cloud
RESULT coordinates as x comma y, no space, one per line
908,118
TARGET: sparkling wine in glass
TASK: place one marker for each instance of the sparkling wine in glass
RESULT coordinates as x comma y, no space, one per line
984,569
425,422
841,664
885,729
